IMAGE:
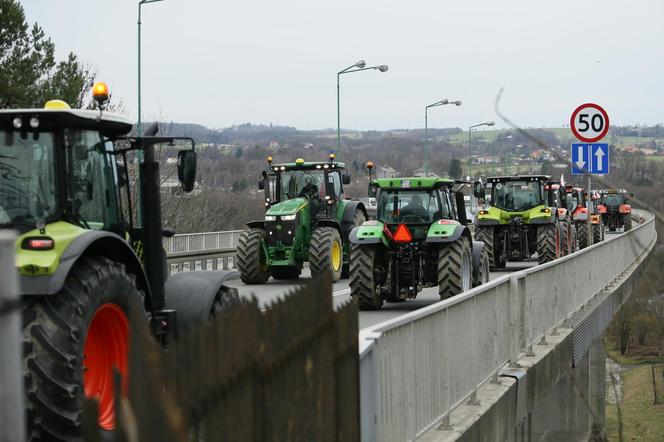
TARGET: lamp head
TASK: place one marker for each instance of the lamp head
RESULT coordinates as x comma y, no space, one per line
383,68
360,64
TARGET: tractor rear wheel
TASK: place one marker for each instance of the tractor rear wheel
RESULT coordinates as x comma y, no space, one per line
597,233
363,285
455,268
582,236
358,219
325,252
548,243
72,341
251,259
491,245
628,223
285,272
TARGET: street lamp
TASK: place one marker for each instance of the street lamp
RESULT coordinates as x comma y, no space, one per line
141,3
442,102
357,67
470,145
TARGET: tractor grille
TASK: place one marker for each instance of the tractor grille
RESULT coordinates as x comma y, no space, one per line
280,232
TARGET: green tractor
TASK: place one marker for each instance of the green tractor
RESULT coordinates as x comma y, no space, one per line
520,221
307,219
81,256
420,238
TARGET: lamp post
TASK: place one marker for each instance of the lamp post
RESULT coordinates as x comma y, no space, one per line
357,67
442,102
141,3
470,145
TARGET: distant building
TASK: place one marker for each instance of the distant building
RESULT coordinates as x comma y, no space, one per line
386,172
420,173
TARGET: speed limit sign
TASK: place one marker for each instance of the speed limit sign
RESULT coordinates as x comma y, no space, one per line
589,123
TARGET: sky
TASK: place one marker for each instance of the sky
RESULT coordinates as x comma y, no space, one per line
221,63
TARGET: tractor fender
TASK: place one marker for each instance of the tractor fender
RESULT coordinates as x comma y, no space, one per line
89,243
327,222
486,222
477,258
191,294
367,235
543,219
349,215
459,230
256,224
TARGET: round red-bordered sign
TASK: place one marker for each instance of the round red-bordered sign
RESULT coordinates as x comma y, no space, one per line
594,123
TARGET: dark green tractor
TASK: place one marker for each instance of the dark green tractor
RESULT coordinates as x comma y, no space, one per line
307,219
420,238
81,255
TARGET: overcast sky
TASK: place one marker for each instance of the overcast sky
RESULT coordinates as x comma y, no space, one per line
220,63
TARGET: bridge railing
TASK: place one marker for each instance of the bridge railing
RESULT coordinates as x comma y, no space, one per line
201,251
415,369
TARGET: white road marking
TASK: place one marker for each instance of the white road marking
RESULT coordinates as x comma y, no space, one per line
341,292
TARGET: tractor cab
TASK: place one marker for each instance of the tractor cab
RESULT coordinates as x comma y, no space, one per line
518,193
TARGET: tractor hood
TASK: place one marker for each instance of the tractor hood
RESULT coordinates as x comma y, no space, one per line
288,207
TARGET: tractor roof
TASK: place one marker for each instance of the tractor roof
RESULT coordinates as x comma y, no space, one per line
308,165
412,182
518,178
607,191
109,124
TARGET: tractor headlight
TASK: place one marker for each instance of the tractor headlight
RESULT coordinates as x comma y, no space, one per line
289,217
270,218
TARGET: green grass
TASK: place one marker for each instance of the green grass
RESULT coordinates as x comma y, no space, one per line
614,354
642,421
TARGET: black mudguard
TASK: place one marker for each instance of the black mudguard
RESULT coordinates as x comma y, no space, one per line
191,294
349,216
257,224
90,243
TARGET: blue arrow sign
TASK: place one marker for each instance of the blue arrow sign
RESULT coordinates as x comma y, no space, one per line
590,158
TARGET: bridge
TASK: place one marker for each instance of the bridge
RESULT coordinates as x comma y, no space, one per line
518,358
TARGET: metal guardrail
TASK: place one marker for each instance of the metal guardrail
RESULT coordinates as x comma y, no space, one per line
415,369
201,251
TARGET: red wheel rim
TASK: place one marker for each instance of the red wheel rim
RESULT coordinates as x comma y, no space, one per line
106,347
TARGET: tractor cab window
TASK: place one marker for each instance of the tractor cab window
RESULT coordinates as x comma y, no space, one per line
612,199
333,177
91,177
299,183
27,178
516,195
412,206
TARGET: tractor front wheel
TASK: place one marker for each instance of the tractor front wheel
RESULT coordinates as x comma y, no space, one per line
325,252
364,287
483,272
548,243
251,259
358,220
72,342
597,233
455,268
628,223
582,236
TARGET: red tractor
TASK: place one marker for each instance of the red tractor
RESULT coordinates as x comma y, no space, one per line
568,235
574,199
615,209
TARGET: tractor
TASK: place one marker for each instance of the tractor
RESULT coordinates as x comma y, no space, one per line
615,209
420,238
574,199
557,198
81,256
307,219
520,221
597,225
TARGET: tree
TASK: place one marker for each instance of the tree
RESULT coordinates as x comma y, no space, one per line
29,74
455,168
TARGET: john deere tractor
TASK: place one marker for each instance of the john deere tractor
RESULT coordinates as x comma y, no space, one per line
419,239
307,219
615,209
81,256
519,222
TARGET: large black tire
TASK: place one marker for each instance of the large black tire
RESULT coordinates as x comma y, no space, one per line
285,272
455,268
55,334
491,245
597,233
358,219
582,236
628,222
363,287
483,272
548,242
251,260
322,254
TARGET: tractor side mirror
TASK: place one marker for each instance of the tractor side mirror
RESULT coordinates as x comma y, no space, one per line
345,178
329,188
261,185
372,190
461,208
187,169
479,191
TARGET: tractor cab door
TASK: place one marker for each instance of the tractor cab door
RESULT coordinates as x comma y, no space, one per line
92,181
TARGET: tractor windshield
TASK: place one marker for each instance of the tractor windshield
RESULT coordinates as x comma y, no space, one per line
410,206
296,183
517,195
27,177
612,199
